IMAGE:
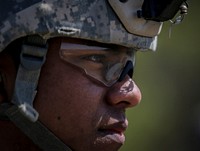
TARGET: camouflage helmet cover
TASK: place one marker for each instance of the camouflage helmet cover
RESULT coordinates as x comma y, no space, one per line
88,19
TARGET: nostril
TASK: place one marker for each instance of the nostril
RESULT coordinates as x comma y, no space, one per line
124,104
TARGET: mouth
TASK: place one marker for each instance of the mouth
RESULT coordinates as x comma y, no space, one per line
114,132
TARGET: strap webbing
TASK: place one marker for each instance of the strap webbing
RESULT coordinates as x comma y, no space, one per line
22,113
36,131
32,58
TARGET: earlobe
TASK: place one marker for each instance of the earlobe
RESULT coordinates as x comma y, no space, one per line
3,94
1,97
8,71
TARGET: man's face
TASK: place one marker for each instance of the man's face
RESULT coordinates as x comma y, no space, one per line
80,110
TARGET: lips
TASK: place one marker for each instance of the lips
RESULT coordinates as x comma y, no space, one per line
114,132
119,128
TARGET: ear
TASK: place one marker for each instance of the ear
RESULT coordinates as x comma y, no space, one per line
3,94
7,77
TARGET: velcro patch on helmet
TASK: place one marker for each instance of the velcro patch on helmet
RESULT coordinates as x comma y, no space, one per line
127,13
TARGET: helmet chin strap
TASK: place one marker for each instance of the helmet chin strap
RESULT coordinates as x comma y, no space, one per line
36,131
21,112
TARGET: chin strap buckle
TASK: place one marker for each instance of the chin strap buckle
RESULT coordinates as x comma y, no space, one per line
32,58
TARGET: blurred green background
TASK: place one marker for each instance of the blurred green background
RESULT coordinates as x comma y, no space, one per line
168,118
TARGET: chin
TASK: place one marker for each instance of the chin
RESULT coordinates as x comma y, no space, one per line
99,145
107,144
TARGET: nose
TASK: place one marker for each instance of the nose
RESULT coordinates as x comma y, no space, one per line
124,93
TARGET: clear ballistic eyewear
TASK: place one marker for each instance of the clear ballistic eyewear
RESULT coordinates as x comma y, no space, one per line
105,64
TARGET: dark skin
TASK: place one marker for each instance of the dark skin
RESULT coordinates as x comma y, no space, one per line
82,112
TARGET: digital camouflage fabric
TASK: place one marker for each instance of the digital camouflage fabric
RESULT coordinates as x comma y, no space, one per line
86,19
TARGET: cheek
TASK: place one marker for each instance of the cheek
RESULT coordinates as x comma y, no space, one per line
68,102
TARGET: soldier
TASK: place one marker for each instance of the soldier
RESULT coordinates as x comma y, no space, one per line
66,70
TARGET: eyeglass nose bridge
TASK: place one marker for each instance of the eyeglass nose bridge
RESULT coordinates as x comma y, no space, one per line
128,69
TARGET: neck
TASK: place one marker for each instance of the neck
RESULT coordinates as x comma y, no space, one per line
12,139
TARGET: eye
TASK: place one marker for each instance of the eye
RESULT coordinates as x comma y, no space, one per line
95,58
